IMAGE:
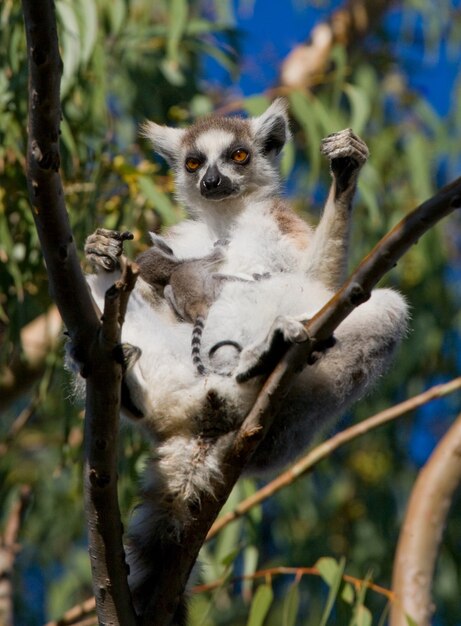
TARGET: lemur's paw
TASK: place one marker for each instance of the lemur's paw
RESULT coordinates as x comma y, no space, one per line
104,247
262,358
292,329
126,354
344,145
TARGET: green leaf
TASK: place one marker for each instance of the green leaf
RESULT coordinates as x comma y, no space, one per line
304,114
260,606
172,72
418,156
332,573
250,563
362,617
70,44
288,160
410,621
255,105
329,568
88,18
291,606
348,594
176,26
160,201
360,107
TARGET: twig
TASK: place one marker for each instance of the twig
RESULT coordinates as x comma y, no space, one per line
323,450
422,531
8,551
93,345
75,614
290,571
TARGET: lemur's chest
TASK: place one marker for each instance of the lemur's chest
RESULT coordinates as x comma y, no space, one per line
258,245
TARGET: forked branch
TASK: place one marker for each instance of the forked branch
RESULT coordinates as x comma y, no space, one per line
92,342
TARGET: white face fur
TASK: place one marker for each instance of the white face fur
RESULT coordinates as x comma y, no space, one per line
222,159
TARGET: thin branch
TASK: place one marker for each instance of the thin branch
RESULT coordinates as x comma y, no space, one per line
8,551
323,450
76,614
237,450
290,571
422,531
93,345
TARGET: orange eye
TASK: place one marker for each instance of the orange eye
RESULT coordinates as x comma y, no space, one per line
240,156
193,164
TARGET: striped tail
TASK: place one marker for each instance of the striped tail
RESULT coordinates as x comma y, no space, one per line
197,345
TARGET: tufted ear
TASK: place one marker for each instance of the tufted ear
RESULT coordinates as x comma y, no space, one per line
271,129
165,140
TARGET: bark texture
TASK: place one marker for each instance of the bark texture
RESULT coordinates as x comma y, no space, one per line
422,531
93,343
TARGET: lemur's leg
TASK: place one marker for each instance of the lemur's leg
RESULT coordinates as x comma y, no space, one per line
365,344
104,249
329,248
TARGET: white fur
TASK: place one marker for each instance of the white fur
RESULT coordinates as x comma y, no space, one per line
164,384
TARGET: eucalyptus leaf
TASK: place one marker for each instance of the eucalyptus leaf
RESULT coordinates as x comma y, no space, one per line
291,606
260,606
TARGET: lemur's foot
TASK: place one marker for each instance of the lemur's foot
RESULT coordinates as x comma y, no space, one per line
262,358
104,248
347,154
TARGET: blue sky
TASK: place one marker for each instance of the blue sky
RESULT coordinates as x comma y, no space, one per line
270,29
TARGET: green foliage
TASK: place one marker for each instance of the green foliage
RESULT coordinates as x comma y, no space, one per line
124,61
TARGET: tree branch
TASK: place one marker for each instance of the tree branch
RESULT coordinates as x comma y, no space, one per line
8,551
236,450
93,345
422,531
323,450
307,63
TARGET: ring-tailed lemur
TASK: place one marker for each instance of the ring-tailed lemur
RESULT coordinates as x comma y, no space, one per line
226,174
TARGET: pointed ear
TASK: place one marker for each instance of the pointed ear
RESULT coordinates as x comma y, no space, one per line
271,129
166,140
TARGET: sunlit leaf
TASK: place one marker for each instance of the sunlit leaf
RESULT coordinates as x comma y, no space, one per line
362,617
260,606
178,13
348,593
332,573
88,17
70,40
360,108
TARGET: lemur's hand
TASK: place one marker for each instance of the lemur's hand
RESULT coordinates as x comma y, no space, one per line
104,248
347,154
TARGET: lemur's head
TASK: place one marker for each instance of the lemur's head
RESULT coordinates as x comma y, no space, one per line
222,158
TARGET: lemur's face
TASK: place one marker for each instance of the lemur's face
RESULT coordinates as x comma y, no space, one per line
217,160
223,158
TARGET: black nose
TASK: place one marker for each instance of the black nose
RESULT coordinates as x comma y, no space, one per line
211,179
